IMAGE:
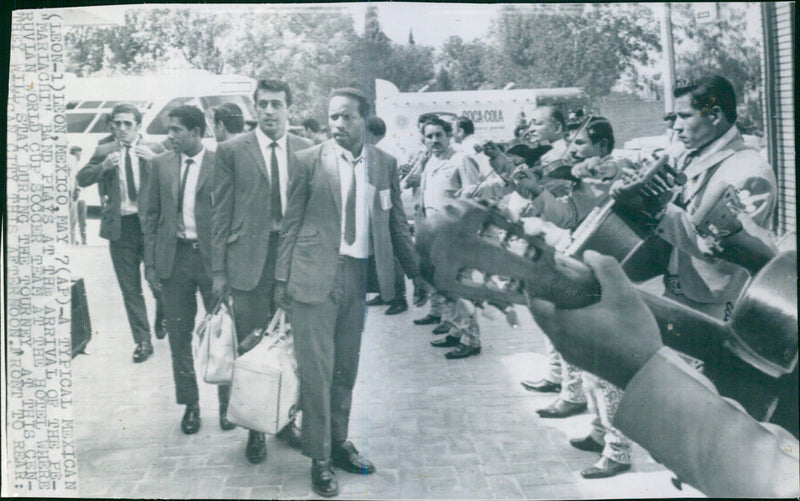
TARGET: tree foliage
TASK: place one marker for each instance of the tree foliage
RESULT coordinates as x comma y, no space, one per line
314,50
722,47
465,62
590,47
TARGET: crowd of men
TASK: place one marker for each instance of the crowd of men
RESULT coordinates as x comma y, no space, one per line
272,219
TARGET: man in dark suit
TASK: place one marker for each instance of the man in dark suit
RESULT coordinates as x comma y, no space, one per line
344,205
250,179
121,168
177,255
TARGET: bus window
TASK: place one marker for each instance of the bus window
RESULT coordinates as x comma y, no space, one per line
141,105
90,104
77,122
159,124
101,126
72,104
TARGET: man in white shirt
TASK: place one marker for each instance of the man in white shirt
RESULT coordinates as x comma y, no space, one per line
177,252
250,180
344,205
121,167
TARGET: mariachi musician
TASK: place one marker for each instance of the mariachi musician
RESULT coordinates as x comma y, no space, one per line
716,158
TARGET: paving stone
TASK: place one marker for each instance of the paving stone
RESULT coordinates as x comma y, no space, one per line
435,428
505,487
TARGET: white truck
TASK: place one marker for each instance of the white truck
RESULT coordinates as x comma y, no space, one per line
495,113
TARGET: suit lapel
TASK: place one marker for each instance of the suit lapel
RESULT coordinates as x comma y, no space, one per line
174,173
255,152
205,172
331,165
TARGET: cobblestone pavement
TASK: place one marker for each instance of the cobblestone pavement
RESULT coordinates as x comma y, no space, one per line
435,428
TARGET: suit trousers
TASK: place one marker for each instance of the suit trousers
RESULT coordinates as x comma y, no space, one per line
399,279
327,342
127,255
180,305
253,309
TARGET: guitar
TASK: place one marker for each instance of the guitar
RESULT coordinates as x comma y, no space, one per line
752,357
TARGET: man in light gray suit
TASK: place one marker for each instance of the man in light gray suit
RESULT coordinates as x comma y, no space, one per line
344,205
251,175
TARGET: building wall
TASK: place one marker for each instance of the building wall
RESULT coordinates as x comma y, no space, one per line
779,42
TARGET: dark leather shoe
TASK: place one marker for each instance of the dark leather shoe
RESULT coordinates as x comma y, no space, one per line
542,386
346,457
428,320
605,468
190,424
587,444
396,307
223,420
561,409
376,301
161,329
292,435
442,328
462,351
323,480
142,352
445,342
256,450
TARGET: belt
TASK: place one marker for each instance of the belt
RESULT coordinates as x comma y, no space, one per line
344,257
189,243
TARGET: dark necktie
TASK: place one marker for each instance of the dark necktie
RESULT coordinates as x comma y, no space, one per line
189,163
275,179
129,182
350,210
181,191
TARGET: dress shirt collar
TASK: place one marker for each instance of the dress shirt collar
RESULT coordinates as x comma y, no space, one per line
265,141
197,159
132,146
717,144
347,155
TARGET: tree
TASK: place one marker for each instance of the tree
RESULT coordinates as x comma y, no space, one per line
443,82
722,48
141,44
465,62
587,46
411,37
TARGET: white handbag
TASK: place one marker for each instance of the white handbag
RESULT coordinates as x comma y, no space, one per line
266,390
215,345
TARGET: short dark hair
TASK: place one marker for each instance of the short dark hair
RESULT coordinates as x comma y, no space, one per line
599,128
519,130
445,125
273,85
376,126
311,124
358,95
557,116
231,117
465,124
709,91
126,108
190,117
